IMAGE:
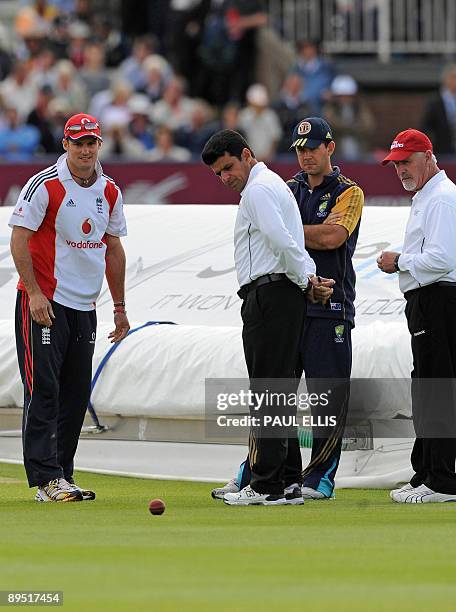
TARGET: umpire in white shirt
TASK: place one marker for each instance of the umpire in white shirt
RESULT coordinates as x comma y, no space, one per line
427,277
273,270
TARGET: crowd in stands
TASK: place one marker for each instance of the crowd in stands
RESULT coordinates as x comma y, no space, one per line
161,98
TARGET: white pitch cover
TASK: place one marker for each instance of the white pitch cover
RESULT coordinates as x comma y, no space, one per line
180,268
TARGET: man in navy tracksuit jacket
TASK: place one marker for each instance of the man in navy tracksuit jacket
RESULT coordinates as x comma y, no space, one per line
330,206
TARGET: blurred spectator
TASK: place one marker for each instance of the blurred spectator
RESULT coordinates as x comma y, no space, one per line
67,85
40,118
112,39
260,123
439,119
18,90
227,49
145,17
174,109
59,37
316,74
116,139
185,25
6,60
18,142
33,44
116,98
244,18
165,149
157,74
140,124
350,118
59,111
100,102
37,17
229,118
44,68
158,14
93,74
83,11
217,55
132,69
194,136
79,33
290,108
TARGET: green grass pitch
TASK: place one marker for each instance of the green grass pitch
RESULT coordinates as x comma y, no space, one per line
359,552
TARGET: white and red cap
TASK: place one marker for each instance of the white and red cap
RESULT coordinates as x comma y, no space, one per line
408,142
82,125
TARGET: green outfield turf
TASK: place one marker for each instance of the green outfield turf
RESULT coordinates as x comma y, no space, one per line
359,552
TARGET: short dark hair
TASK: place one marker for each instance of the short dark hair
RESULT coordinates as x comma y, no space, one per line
225,141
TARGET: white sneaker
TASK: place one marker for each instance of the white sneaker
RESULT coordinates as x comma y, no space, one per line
421,495
309,493
58,490
42,496
230,487
248,497
406,487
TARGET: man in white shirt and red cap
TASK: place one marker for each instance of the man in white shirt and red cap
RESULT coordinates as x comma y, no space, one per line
66,230
427,277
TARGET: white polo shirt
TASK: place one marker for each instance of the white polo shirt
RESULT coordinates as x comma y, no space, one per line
268,233
429,251
68,247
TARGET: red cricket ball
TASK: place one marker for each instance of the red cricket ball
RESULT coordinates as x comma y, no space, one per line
157,506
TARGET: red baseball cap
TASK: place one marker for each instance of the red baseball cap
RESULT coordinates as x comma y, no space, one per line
82,125
407,142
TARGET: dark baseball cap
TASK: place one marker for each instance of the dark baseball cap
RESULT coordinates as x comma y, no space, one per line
310,133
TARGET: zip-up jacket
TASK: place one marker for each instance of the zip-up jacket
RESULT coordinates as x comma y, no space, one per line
336,193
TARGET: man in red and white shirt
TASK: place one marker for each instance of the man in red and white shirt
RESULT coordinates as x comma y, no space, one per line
67,226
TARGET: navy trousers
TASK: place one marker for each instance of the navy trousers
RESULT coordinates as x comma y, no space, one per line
56,370
327,354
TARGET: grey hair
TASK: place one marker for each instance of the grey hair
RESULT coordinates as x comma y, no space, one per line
433,158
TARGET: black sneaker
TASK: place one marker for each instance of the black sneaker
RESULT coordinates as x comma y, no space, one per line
86,494
293,495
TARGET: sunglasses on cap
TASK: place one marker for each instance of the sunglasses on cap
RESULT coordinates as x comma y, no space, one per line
89,125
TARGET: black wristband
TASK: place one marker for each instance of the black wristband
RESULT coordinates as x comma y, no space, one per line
396,263
119,304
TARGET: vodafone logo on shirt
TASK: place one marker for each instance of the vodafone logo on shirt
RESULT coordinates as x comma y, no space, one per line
86,229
